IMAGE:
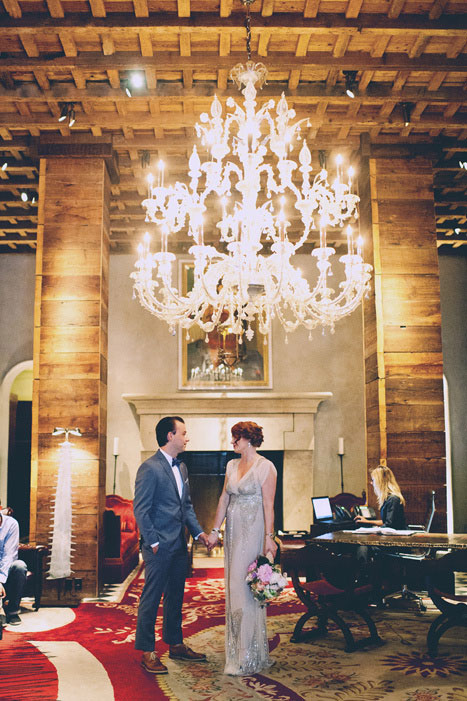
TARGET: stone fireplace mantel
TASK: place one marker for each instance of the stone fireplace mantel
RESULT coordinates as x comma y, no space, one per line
288,421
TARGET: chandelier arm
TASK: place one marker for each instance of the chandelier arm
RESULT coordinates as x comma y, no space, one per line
336,301
151,301
303,238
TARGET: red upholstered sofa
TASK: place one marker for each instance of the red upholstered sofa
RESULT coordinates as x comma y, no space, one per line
121,539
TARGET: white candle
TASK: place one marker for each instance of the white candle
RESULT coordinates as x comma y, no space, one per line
340,449
116,445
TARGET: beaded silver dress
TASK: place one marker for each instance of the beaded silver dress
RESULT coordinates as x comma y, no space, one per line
246,641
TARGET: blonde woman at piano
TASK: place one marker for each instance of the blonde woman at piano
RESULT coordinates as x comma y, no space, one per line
390,500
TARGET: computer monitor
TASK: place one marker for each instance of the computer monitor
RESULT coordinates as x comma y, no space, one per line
321,508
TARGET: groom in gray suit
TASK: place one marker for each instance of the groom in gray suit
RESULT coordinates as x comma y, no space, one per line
163,508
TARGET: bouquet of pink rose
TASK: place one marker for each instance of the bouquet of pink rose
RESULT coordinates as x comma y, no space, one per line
265,580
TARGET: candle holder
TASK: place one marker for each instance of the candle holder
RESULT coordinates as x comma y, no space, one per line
341,456
340,452
115,472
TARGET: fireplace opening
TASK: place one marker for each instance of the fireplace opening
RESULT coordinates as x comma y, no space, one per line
206,473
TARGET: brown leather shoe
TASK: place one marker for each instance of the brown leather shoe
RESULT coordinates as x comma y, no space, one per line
152,664
183,652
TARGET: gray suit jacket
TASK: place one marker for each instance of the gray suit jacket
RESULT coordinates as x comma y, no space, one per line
160,512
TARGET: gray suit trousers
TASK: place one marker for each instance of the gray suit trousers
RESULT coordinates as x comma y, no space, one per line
165,574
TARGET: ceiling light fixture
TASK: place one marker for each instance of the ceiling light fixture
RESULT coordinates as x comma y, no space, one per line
406,113
126,87
71,115
236,283
5,165
24,196
136,80
63,112
351,84
68,112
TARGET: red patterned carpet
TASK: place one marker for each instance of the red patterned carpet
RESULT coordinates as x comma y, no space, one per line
92,658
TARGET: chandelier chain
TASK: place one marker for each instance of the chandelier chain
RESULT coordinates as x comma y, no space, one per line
248,31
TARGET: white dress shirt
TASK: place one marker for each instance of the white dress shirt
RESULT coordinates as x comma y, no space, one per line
176,471
178,479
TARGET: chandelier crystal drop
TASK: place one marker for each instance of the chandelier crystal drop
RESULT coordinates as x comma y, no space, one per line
251,186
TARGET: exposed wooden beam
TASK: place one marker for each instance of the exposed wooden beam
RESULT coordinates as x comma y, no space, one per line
13,8
172,120
108,45
379,47
455,47
395,8
141,8
131,61
377,24
97,8
55,8
183,8
353,8
225,9
68,43
376,93
418,46
263,43
145,42
29,45
311,9
437,9
267,9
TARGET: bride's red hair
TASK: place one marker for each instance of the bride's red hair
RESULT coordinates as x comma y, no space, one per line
249,430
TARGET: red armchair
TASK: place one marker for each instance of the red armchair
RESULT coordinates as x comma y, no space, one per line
121,539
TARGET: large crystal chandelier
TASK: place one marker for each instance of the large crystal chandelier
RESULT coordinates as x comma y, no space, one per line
250,186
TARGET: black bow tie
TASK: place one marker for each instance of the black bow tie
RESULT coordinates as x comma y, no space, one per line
176,462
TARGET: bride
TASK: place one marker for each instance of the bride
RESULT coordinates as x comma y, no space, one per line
247,504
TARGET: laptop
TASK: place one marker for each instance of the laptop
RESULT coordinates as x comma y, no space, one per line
322,511
322,514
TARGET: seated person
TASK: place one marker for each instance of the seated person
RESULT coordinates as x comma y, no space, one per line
390,500
391,504
12,571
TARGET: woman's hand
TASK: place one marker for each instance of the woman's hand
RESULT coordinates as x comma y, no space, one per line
270,546
361,519
213,540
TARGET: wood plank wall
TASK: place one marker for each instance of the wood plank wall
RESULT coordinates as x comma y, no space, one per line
70,351
402,322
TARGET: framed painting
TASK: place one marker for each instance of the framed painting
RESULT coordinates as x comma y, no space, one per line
221,361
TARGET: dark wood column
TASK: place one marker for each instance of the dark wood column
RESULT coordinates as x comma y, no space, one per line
70,345
403,354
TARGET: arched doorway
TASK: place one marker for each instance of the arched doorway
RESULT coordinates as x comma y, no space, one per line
15,444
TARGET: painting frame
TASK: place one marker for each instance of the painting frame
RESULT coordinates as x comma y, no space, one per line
254,372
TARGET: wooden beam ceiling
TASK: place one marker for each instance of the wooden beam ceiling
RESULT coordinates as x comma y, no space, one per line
58,52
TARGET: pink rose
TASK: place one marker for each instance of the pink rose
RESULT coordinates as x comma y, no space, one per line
264,573
252,566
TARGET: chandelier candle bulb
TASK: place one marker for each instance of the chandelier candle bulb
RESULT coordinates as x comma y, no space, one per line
116,446
340,446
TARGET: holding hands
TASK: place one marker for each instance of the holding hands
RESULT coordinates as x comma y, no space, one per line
204,539
213,539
